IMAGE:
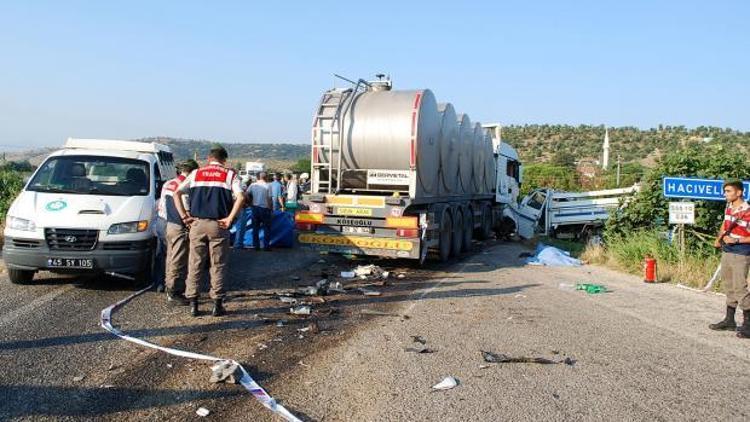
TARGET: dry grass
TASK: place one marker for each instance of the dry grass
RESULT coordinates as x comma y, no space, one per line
627,254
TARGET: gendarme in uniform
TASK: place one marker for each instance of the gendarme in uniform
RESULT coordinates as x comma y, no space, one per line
212,191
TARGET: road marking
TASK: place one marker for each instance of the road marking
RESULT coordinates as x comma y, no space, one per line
13,315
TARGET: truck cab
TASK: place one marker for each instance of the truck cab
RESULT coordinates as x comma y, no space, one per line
88,208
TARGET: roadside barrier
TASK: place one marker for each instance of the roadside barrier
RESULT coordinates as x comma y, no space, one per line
245,380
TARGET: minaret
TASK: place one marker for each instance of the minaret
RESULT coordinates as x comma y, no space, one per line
605,150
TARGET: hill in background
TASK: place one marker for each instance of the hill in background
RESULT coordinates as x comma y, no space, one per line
546,143
276,156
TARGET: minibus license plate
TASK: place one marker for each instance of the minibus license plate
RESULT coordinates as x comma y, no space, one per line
70,263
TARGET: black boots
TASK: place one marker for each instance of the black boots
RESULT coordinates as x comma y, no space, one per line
217,311
727,324
218,308
176,299
744,331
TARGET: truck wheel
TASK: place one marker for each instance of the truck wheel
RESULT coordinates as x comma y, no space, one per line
458,233
485,229
468,230
20,276
446,232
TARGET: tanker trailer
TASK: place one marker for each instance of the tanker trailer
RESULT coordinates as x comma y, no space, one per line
380,172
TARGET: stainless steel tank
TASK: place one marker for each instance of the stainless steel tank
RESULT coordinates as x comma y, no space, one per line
465,145
448,149
394,130
477,160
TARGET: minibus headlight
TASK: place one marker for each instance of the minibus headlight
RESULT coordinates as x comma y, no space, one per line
15,223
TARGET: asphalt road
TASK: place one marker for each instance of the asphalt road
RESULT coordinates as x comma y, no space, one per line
641,352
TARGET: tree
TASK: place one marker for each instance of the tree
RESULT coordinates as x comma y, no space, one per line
303,165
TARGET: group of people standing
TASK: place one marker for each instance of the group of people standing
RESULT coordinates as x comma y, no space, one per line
264,199
195,212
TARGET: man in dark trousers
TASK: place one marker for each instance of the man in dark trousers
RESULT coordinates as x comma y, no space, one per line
734,241
176,236
262,211
216,198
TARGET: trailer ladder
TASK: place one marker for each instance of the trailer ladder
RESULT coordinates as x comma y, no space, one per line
328,136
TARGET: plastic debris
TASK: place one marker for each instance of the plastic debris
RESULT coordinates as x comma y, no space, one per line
309,291
401,275
79,378
367,292
279,323
288,299
592,289
385,275
347,274
300,310
225,371
553,257
419,339
202,412
446,384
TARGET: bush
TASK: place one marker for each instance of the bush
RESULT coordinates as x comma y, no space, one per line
11,184
649,209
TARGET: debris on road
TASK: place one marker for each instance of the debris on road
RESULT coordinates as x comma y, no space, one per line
225,371
300,310
552,257
202,412
347,274
592,289
446,384
79,378
312,327
421,349
419,339
401,275
288,299
337,287
491,357
367,292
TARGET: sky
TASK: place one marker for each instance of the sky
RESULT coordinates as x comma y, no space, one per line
254,71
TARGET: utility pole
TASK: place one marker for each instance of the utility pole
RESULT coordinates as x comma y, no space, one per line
618,170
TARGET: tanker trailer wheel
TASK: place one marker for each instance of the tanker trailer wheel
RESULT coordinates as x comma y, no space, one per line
468,230
485,228
458,232
446,234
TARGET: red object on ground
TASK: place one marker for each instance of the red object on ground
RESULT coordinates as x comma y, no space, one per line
649,270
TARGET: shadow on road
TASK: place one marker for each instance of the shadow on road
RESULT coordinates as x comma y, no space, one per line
60,401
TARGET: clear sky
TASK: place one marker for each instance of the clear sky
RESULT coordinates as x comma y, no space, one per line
253,72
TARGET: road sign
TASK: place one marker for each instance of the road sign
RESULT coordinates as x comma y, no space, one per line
693,188
681,213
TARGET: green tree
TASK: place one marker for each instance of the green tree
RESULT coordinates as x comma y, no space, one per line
303,165
11,184
649,208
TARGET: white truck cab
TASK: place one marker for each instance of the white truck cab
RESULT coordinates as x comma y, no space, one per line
88,208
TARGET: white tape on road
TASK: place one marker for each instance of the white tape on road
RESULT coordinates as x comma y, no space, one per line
246,380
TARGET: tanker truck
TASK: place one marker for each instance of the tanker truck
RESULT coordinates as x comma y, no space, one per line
397,174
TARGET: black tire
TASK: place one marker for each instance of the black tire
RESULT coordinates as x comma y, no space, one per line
458,233
446,235
20,276
485,229
468,230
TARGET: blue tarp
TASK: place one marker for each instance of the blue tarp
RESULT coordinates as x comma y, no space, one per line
282,230
553,257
